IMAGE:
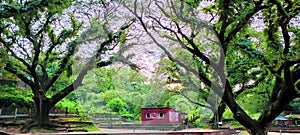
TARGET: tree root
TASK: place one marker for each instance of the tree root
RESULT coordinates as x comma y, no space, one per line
35,123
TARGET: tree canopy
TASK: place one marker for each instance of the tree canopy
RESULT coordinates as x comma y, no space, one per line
39,41
237,53
243,58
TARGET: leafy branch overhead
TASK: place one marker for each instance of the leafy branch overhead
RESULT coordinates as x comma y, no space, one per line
40,40
254,59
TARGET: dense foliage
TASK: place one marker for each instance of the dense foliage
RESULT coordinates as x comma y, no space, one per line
124,92
12,97
239,57
39,40
222,57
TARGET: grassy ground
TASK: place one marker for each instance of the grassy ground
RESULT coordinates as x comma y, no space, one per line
72,123
83,123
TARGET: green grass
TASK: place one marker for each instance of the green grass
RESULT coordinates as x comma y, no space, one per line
244,132
77,119
89,128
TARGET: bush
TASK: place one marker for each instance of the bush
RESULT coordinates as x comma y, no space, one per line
14,97
67,103
117,105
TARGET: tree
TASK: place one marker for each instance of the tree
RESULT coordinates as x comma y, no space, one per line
275,50
117,105
122,83
188,86
40,39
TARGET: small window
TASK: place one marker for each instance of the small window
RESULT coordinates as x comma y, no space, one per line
147,115
161,115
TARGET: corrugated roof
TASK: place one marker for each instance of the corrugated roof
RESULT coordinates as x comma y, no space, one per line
281,118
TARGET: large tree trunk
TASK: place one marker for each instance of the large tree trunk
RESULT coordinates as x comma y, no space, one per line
258,130
41,117
42,112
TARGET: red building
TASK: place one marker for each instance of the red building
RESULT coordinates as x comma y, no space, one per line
162,115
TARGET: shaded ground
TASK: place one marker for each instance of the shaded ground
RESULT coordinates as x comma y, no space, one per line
118,131
72,128
124,131
70,124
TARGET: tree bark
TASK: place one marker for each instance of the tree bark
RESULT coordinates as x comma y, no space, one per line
41,117
258,130
42,112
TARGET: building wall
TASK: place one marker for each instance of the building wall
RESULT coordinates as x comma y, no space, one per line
154,116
